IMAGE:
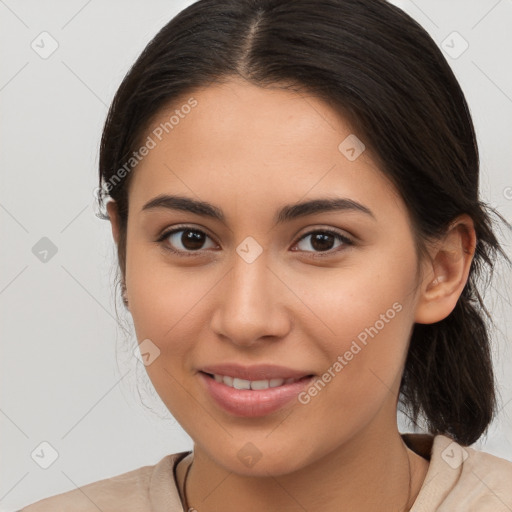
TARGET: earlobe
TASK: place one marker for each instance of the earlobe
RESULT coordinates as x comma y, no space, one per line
114,219
447,272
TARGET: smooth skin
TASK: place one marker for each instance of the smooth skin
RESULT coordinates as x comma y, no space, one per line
249,151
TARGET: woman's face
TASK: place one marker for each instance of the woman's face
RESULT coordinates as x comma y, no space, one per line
258,288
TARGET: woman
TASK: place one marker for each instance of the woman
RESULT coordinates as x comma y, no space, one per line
294,199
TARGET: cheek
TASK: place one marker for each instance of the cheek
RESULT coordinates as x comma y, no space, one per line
166,305
362,321
161,294
348,299
365,357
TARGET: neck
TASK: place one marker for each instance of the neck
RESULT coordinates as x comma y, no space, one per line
366,475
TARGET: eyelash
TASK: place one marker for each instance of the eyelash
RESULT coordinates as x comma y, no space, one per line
346,241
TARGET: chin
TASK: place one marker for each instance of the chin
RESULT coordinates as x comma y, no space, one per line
249,461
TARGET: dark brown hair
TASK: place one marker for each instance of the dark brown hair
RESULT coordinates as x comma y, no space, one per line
389,79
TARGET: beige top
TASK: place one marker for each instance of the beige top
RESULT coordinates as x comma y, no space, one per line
458,479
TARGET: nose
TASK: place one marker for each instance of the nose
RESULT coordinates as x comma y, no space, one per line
251,304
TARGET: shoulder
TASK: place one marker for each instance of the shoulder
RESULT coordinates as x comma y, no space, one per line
464,478
132,491
485,481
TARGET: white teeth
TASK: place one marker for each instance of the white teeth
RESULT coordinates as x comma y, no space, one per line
237,383
273,383
241,383
259,384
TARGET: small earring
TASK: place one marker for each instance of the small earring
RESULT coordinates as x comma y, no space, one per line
438,280
125,299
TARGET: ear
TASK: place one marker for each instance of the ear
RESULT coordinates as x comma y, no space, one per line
446,274
113,213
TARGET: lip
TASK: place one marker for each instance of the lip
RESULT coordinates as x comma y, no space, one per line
256,372
249,403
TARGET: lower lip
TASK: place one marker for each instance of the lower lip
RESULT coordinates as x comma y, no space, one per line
252,403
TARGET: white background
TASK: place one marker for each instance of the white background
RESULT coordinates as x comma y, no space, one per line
61,380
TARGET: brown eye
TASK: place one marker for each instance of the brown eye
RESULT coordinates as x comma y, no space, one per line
192,240
323,241
185,240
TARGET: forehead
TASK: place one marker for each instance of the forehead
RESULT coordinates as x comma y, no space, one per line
248,143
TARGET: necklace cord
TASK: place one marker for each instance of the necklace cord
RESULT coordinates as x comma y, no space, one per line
410,479
185,487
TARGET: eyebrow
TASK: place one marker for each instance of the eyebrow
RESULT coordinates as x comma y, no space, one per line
285,214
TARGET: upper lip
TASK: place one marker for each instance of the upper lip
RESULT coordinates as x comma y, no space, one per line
256,372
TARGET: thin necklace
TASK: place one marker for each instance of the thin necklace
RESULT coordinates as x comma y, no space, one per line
187,509
410,479
185,487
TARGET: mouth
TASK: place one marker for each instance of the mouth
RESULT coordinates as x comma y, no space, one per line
256,385
253,398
